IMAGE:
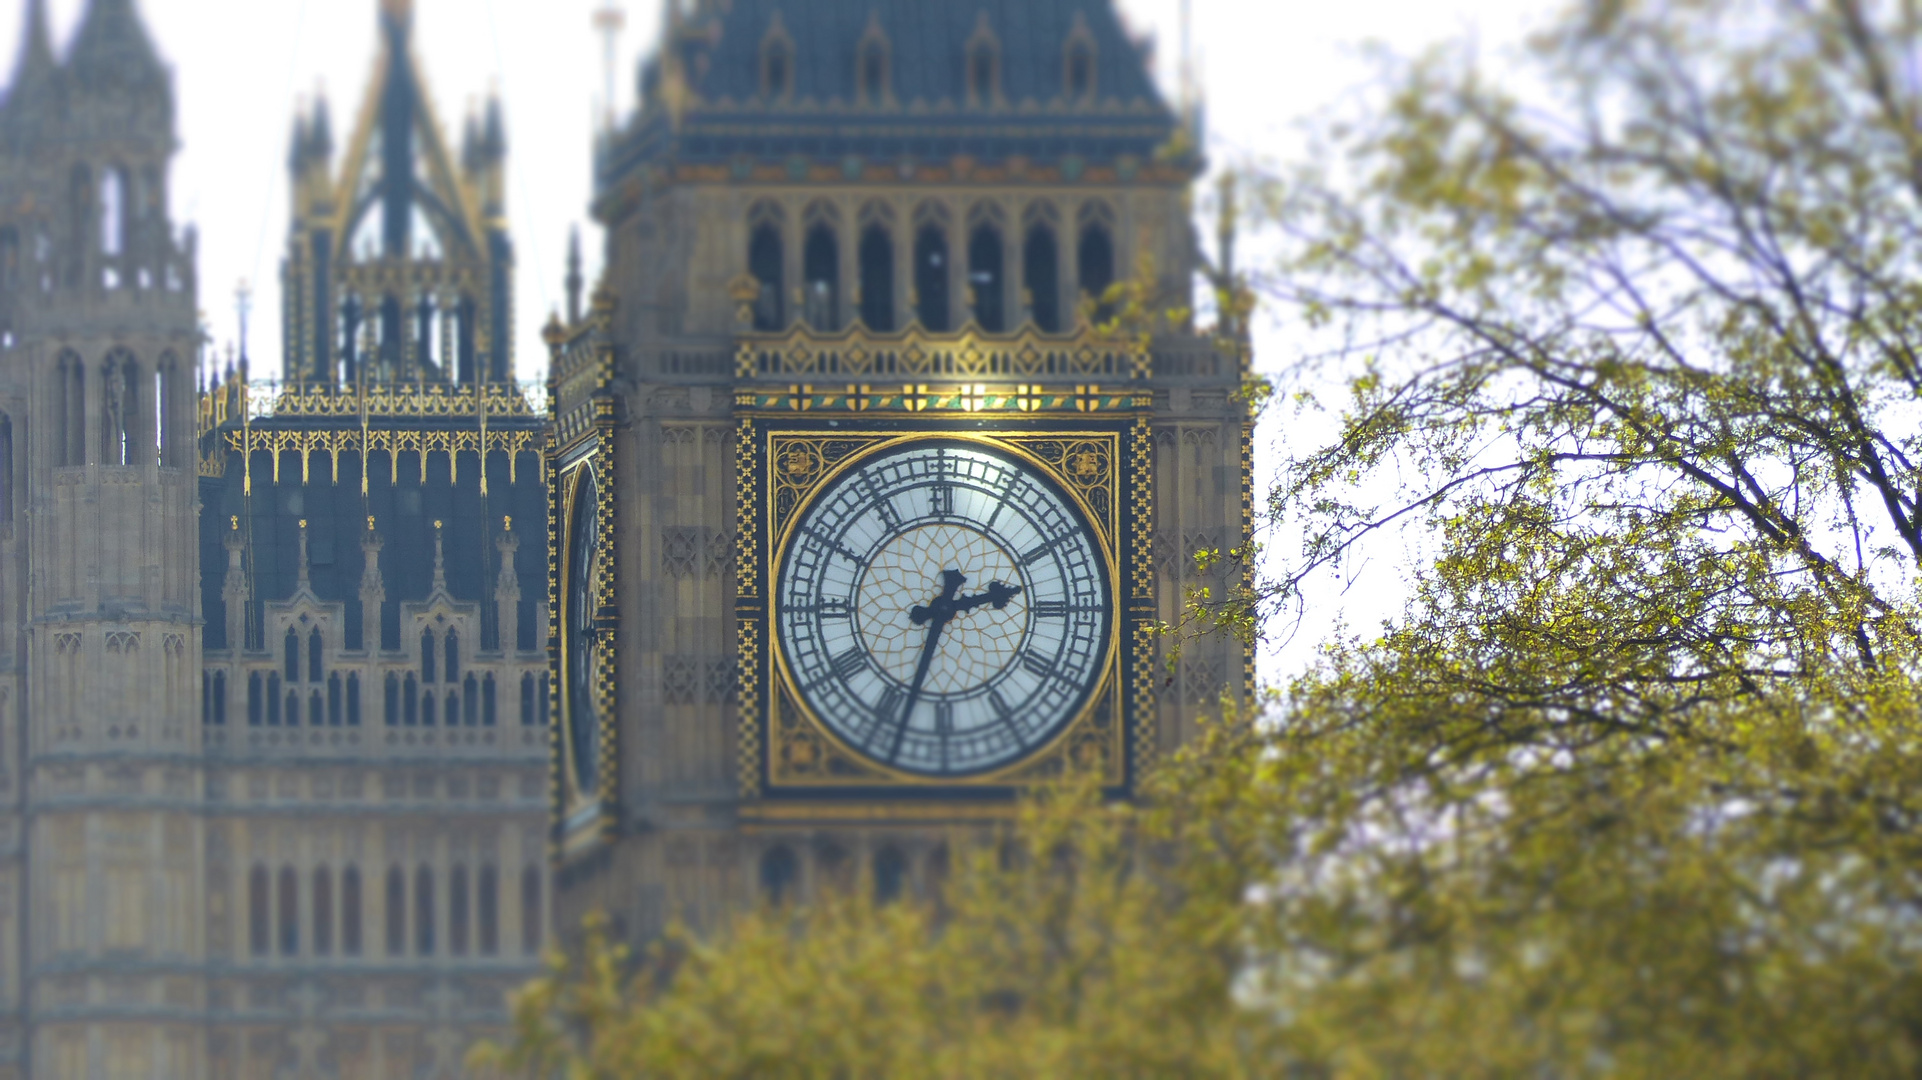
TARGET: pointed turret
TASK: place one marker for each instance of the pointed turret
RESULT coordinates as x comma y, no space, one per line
112,52
574,281
36,75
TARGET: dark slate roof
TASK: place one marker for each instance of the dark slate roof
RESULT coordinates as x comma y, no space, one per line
928,39
404,510
930,117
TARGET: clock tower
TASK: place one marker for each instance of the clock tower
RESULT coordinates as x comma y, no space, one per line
869,481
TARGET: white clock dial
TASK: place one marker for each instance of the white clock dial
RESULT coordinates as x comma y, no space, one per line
944,608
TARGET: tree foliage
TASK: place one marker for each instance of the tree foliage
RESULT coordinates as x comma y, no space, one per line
1633,785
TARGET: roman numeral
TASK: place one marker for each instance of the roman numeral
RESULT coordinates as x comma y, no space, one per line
889,710
850,662
943,500
943,718
881,504
1037,664
1050,609
1042,551
831,609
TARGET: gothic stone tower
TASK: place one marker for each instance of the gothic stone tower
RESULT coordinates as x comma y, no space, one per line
373,536
864,503
101,940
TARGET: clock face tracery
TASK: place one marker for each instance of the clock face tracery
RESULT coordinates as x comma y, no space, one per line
943,608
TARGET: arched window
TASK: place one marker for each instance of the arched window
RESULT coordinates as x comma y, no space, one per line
487,909
353,699
392,702
314,650
253,699
871,70
877,279
259,934
529,715
350,911
410,701
489,706
777,67
779,873
82,227
931,278
289,912
987,279
424,911
453,657
323,912
113,213
457,910
764,264
314,715
427,653
273,699
1078,76
71,411
333,700
531,926
220,699
890,874
1094,264
6,472
428,717
984,66
169,447
293,656
396,911
470,701
821,275
1041,268
120,409
293,708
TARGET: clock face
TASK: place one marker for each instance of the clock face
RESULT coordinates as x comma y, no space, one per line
944,609
583,721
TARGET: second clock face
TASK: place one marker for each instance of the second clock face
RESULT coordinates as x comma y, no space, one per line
943,608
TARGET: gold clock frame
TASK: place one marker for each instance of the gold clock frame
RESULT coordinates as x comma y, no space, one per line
584,816
786,750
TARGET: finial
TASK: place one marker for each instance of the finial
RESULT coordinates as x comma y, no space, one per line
440,564
303,553
236,520
370,523
507,523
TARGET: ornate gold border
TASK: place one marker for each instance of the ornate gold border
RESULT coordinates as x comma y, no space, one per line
571,803
801,464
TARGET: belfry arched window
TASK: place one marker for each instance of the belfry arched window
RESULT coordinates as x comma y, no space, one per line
821,273
987,280
877,278
120,403
931,277
1095,265
765,263
1041,274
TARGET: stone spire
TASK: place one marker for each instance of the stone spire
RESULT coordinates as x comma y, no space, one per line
574,276
305,584
372,591
440,563
112,51
233,591
507,589
36,65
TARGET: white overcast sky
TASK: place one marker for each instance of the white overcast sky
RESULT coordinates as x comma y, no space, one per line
242,66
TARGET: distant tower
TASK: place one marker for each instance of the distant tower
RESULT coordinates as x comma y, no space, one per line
99,608
374,659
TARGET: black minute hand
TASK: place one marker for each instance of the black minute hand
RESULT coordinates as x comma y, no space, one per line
937,614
